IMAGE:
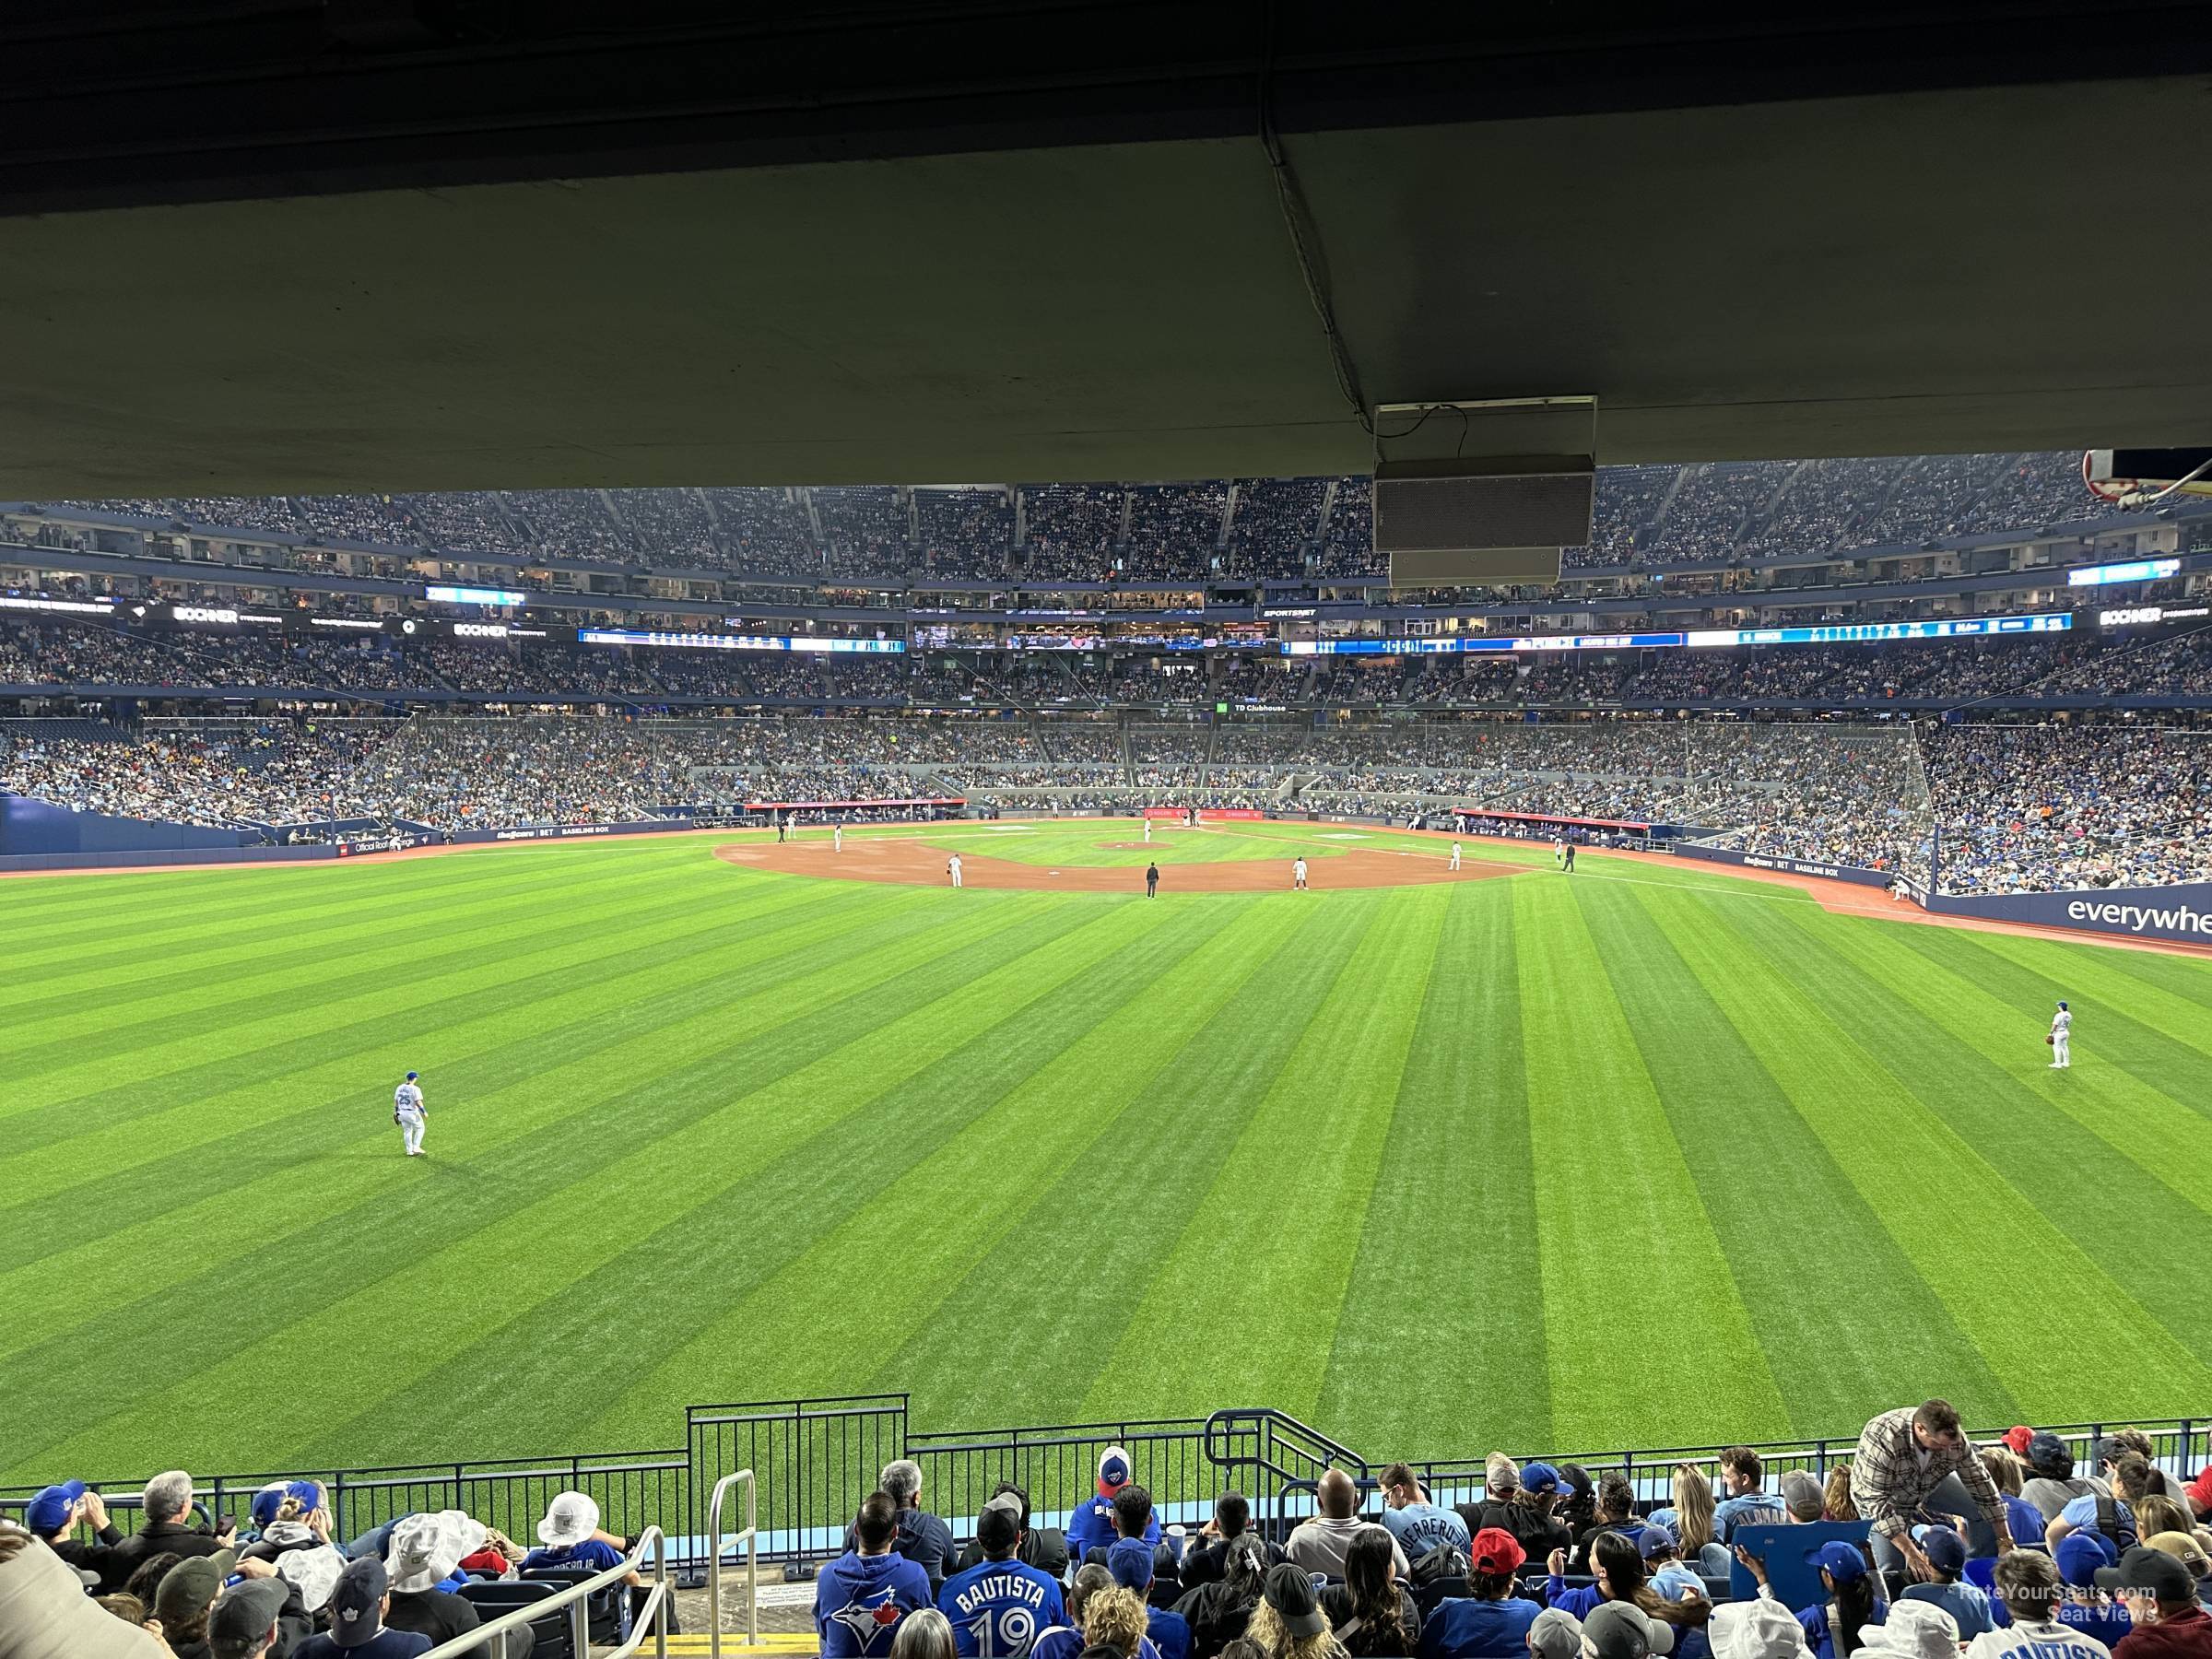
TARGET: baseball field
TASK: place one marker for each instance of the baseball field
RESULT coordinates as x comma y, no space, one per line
1644,1154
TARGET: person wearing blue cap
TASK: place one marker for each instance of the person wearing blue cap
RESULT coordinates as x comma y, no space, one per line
2080,1556
409,1112
1967,1604
58,1511
1130,1562
1834,1628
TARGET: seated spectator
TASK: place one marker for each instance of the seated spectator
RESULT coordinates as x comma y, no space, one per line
1491,1621
166,1530
862,1595
573,1546
2162,1601
498,1557
1914,1629
1692,1522
2086,1607
1527,1511
1116,1618
1557,1635
357,1619
257,1616
1203,1559
1217,1609
426,1578
57,1512
187,1591
2113,1516
2029,1594
1837,1503
1044,1548
923,1538
1000,1604
1068,1641
1166,1576
300,1521
1757,1628
1134,1522
1289,1622
1091,1526
1130,1562
1616,1513
1620,1629
2133,1442
925,1634
2155,1514
1671,1578
2009,1474
1372,1612
1748,1502
45,1613
1967,1604
2191,1551
1416,1524
2050,1483
1834,1628
1319,1545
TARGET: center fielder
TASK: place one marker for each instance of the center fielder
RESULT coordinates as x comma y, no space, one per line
2062,1032
1298,873
952,868
1455,856
409,1112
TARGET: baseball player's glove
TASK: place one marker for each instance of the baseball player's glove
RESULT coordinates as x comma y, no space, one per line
2051,1038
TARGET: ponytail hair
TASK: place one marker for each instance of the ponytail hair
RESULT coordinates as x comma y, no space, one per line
1854,1606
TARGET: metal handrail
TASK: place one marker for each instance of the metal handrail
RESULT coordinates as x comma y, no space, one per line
717,1541
651,1617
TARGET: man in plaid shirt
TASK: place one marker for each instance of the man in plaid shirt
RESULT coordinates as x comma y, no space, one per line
1915,1464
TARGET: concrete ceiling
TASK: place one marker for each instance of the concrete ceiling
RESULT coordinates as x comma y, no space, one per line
1959,267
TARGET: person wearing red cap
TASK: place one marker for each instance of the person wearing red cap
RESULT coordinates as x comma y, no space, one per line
1092,1525
2017,1437
1491,1621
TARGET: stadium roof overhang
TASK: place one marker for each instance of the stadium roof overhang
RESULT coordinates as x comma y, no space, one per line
403,247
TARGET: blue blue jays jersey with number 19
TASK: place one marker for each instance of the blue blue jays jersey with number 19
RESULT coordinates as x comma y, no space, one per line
998,1608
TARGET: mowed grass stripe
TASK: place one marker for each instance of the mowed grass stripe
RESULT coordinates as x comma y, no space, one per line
1052,1300
1844,1050
2161,1032
654,1127
1611,1177
482,1111
1782,1209
1314,1139
332,1107
2128,1124
2033,1131
860,1113
950,1207
1447,1278
128,936
329,971
166,1094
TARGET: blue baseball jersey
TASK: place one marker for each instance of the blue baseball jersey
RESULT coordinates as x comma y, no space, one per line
999,1609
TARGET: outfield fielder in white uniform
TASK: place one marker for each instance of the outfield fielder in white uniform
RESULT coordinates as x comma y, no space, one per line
2062,1030
1147,830
1298,874
837,837
952,868
408,1113
1455,856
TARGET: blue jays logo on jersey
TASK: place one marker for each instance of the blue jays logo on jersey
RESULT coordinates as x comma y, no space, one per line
868,1616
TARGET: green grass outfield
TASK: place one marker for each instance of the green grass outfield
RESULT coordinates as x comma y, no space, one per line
1642,1155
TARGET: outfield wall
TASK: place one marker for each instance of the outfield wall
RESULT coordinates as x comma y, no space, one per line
2183,913
1787,866
33,827
161,858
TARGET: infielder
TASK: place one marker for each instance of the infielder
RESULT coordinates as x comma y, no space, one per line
407,1112
837,837
1455,856
1148,829
1298,873
2062,1030
952,868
